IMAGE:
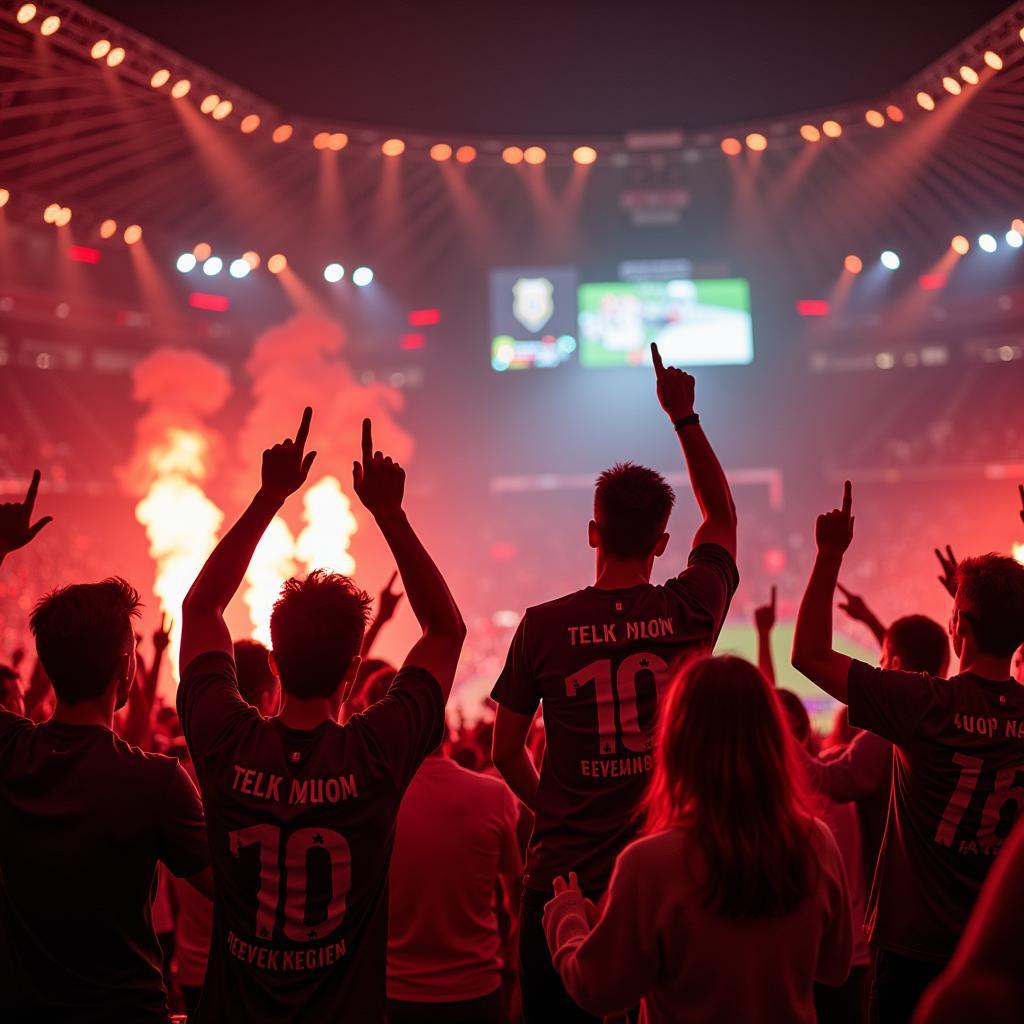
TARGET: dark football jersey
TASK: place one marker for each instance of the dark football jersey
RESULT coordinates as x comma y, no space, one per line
957,787
600,660
301,825
84,819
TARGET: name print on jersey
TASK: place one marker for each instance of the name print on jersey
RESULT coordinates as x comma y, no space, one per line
613,632
267,786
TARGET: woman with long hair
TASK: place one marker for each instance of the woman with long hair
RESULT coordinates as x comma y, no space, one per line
733,902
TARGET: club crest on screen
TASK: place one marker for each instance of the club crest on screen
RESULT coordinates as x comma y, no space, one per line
533,301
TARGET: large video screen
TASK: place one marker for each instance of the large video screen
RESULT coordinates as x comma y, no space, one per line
543,318
695,323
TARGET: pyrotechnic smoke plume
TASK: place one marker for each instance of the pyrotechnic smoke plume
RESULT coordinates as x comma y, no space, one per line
175,452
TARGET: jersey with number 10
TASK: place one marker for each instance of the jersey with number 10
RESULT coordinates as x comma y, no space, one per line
957,788
601,660
301,826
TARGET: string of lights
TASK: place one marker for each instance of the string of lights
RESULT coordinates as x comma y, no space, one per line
970,66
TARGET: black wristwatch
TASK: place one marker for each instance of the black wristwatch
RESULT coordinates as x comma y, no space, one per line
686,421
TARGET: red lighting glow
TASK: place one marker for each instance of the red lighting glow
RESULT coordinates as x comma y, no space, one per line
413,341
282,133
249,123
894,113
440,151
732,147
84,254
854,264
465,154
424,317
212,303
809,133
932,282
812,307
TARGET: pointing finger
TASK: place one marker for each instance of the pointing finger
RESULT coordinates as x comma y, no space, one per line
303,432
367,442
33,530
775,594
391,582
846,593
33,490
659,366
847,498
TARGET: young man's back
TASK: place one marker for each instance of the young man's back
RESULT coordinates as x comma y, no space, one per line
598,660
301,824
958,786
301,810
84,818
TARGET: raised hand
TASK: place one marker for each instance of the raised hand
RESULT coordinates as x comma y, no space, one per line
855,606
948,563
286,466
379,482
675,387
16,526
834,530
389,599
764,616
162,636
560,885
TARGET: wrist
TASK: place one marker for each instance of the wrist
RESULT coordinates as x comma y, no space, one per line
267,499
831,556
390,517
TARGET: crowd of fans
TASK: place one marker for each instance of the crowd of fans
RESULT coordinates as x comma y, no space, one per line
639,831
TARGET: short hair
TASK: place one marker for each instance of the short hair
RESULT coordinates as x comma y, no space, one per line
631,508
990,594
921,644
316,629
252,665
82,632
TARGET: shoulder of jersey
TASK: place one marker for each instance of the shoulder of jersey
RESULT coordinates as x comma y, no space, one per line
555,604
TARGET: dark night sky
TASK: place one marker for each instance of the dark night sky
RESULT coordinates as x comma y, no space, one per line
561,66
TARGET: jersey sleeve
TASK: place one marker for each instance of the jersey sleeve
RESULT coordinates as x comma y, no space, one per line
517,688
510,862
181,828
895,705
407,723
707,584
209,704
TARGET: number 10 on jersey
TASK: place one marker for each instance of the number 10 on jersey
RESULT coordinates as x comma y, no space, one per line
617,699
